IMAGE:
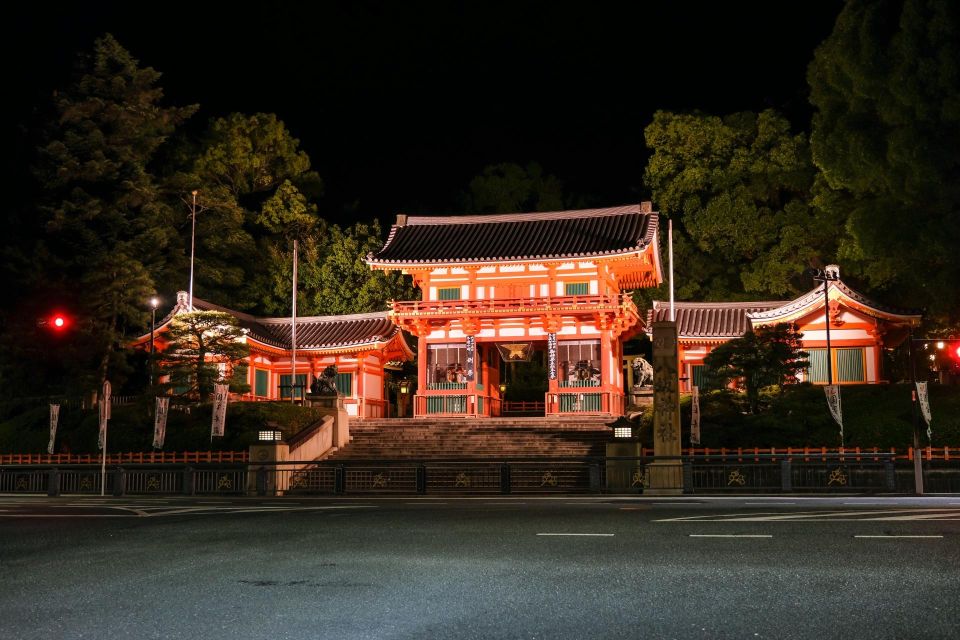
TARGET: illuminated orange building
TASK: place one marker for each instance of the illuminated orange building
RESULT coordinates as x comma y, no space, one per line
859,331
359,345
497,288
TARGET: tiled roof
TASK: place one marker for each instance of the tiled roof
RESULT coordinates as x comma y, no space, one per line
815,298
313,332
519,236
709,319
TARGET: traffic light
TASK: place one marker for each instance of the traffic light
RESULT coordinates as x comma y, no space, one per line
56,322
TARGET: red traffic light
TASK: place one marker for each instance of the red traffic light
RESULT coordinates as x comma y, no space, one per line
59,322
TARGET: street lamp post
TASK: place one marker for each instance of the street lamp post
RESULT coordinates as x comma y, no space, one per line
153,327
826,276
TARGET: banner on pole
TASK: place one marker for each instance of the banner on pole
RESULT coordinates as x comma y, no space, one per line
54,418
220,392
104,414
552,355
471,358
833,401
924,397
160,422
695,417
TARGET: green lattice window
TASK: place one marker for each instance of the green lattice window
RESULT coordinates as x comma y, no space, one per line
448,293
261,383
850,365
285,385
344,384
817,371
576,288
698,376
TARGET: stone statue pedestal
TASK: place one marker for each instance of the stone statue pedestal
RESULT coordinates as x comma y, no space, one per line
333,406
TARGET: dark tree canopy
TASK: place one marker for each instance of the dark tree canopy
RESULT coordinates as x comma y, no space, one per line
200,342
886,87
109,233
738,189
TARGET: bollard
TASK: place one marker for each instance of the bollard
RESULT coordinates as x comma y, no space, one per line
504,478
339,479
688,476
53,483
786,475
187,481
261,481
119,482
889,476
421,479
595,478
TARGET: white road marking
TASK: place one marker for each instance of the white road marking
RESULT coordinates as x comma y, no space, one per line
425,503
898,536
769,504
580,535
729,535
502,503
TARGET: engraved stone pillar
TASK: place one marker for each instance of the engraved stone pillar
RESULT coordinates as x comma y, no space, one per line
666,472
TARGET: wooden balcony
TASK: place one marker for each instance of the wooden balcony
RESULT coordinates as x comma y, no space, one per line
620,304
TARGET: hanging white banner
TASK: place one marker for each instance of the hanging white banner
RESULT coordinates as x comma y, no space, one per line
833,401
220,392
160,422
924,397
695,417
471,358
104,414
54,418
552,355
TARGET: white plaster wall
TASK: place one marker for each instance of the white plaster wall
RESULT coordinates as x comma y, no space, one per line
545,290
872,374
837,334
511,332
372,387
433,293
487,333
438,333
594,290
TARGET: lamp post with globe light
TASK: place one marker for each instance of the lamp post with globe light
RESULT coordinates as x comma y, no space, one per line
154,301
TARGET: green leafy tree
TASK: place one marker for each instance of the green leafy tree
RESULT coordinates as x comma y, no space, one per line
763,357
511,188
200,343
255,186
344,283
738,188
109,233
886,88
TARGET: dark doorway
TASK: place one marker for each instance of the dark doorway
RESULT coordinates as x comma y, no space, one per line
526,383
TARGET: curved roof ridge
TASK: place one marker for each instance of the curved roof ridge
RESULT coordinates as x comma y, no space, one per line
665,304
351,317
487,218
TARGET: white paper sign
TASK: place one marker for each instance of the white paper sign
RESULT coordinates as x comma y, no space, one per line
695,417
220,394
160,422
923,396
833,401
54,418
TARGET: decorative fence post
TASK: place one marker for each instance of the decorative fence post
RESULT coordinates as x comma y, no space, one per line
119,482
688,475
889,475
53,483
504,478
786,474
187,481
421,478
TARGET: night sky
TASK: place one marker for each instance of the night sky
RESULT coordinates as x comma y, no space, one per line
399,104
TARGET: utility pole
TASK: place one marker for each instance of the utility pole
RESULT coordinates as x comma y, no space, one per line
293,330
193,235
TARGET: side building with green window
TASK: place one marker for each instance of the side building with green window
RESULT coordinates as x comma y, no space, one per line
362,348
860,329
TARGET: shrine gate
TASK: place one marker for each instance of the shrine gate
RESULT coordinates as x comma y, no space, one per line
498,289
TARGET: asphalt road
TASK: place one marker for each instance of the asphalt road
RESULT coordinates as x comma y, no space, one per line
494,567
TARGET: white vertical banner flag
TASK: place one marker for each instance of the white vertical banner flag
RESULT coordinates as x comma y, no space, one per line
552,355
160,422
54,418
104,414
695,417
924,397
220,392
833,401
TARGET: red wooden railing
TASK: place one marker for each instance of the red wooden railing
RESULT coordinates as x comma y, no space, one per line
513,305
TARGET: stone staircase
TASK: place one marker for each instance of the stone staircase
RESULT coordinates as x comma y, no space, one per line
489,438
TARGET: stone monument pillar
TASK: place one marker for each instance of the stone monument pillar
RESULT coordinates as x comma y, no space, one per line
665,475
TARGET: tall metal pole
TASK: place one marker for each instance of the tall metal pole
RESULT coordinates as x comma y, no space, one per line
917,454
673,316
826,318
153,327
193,235
293,330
